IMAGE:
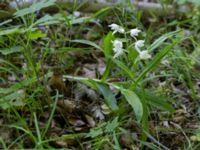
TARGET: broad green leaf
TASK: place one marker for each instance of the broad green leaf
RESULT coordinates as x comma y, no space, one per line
9,31
46,20
107,45
107,71
88,43
80,20
161,39
14,49
36,34
34,7
134,101
108,95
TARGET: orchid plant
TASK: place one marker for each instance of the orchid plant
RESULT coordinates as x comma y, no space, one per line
118,44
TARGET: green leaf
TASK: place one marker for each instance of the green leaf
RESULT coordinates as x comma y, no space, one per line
154,99
88,43
17,86
5,22
161,39
102,12
108,95
14,99
134,101
107,43
14,49
34,35
80,20
9,31
95,132
111,126
121,65
47,20
34,7
116,146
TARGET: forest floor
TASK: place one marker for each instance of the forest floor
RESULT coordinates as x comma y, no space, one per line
118,78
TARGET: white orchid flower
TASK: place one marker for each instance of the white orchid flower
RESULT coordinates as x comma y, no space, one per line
77,13
116,28
117,48
144,55
138,45
117,44
118,53
134,32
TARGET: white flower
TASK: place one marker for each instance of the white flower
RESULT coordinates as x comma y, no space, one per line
117,45
139,44
134,32
117,48
118,53
144,55
76,13
165,62
116,28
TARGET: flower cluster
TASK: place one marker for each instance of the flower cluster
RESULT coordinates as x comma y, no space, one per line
118,45
117,48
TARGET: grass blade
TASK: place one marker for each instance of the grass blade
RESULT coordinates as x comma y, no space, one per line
88,43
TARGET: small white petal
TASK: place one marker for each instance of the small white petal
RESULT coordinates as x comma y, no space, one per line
144,55
117,44
134,32
118,53
139,43
116,28
113,26
117,48
76,13
165,62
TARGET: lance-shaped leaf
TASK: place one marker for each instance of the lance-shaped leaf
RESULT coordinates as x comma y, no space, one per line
108,95
134,101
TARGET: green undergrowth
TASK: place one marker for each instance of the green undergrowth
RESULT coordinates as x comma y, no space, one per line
149,103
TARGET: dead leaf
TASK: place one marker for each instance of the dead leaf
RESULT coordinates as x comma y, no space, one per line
101,67
105,109
76,122
56,83
98,113
90,121
67,105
